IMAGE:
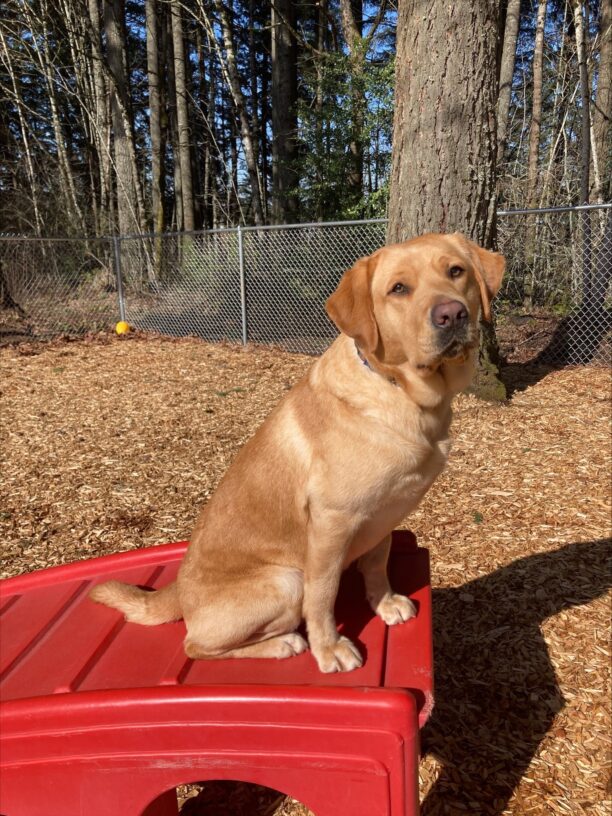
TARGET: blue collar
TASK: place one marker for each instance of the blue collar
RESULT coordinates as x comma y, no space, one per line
392,380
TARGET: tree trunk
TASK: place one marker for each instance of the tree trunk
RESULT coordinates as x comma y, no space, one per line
213,149
321,44
351,13
155,114
444,132
101,119
536,107
129,208
23,127
284,113
257,126
77,23
585,150
602,109
66,180
531,260
182,116
558,119
177,217
230,66
506,73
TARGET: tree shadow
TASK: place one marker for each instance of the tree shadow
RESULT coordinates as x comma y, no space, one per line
578,337
496,688
581,338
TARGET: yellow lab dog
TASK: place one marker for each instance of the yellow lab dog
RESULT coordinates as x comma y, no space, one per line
342,460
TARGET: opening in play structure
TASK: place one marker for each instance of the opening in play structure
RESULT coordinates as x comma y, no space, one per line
226,797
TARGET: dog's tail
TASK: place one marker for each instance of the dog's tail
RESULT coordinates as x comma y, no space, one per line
138,605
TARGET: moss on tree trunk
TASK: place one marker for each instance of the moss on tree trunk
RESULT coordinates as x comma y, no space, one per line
487,383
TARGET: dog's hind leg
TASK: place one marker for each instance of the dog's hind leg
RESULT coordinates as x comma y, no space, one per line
258,618
279,646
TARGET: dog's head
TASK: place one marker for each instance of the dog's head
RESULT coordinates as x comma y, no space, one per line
418,302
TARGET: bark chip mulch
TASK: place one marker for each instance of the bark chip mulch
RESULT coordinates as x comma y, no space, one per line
113,444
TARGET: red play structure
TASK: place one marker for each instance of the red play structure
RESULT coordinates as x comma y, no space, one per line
100,717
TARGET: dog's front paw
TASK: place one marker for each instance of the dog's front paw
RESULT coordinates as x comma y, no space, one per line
342,656
395,609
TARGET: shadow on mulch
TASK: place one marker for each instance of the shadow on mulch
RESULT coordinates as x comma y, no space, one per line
581,338
496,688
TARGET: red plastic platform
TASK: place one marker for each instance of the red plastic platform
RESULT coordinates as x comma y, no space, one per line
102,717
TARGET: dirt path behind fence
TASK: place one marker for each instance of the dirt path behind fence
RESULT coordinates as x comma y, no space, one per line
110,445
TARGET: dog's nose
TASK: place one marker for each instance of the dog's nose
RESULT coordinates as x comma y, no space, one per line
449,314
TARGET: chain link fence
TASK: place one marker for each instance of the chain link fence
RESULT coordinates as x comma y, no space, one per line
50,287
269,284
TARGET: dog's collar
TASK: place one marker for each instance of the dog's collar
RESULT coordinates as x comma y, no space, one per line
392,380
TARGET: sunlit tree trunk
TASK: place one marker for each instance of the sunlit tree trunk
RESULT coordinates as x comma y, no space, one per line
101,119
602,108
155,113
351,14
130,206
445,133
506,73
536,106
182,117
585,148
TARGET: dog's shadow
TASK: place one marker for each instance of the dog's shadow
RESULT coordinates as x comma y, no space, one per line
496,691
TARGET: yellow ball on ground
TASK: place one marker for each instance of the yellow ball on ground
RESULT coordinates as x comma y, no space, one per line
122,327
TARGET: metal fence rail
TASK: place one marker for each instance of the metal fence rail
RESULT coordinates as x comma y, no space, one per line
269,284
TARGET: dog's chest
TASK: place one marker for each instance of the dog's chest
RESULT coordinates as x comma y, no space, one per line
399,467
393,491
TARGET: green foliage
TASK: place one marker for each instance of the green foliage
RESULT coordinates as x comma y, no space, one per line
326,131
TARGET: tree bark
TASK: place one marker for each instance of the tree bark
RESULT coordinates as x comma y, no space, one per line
177,214
585,93
284,113
77,23
558,119
155,114
444,130
445,133
602,108
536,107
182,116
129,198
351,15
585,149
506,73
531,261
101,120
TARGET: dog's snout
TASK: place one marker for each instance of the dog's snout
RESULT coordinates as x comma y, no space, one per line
449,314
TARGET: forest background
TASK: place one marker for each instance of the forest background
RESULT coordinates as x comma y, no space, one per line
127,117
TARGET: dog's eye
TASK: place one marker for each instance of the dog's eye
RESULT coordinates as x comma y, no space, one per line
455,272
399,289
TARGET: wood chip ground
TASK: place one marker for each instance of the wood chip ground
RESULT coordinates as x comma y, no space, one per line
112,444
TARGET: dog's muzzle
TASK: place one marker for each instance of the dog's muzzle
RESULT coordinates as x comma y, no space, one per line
451,321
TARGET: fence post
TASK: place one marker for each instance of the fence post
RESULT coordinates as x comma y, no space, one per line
119,277
243,304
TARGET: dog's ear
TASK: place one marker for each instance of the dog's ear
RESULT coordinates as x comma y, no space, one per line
351,308
489,268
